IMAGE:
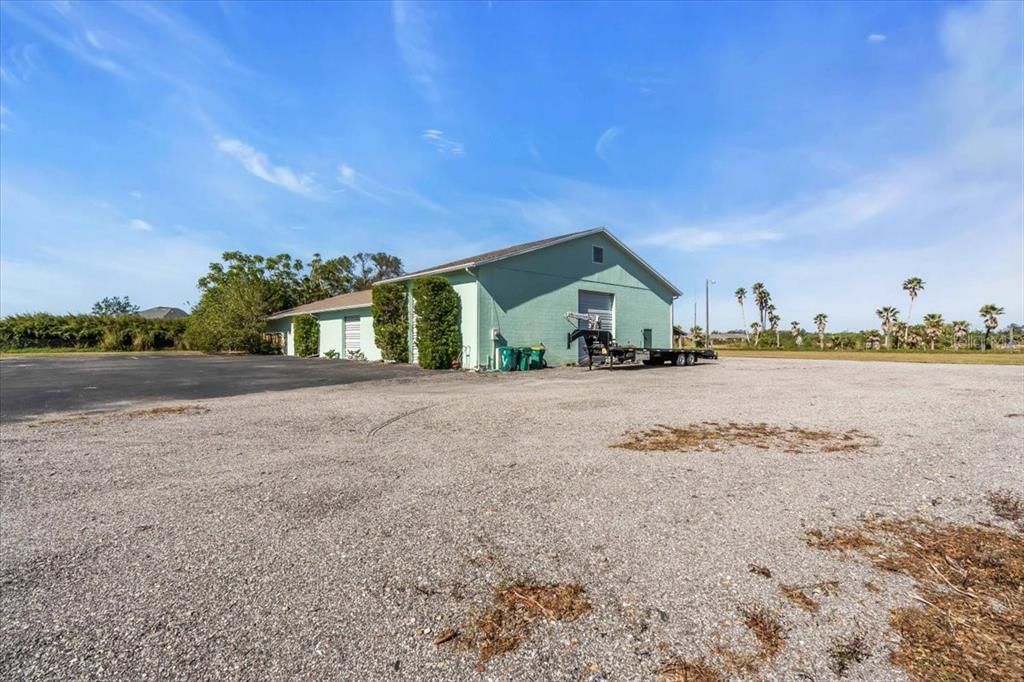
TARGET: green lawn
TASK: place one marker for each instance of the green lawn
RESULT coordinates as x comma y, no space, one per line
949,357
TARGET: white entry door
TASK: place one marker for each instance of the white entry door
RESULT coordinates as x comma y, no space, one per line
600,304
352,342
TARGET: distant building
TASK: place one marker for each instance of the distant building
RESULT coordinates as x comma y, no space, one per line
162,313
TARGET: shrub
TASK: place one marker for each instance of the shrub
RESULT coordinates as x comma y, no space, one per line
307,336
438,338
391,322
42,330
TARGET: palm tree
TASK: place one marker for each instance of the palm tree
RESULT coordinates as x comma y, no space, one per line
933,327
990,314
697,332
741,296
759,292
888,315
913,286
821,319
960,329
794,329
755,328
764,301
872,342
773,321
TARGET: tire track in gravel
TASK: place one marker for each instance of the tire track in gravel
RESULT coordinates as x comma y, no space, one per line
372,433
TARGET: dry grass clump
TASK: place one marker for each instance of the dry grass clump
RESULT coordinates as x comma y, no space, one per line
714,437
845,652
801,594
162,411
508,621
678,670
1007,506
969,620
767,629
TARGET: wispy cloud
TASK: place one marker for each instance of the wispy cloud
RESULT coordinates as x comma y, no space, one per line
877,37
414,39
63,28
140,225
604,141
4,113
695,239
259,165
366,186
442,144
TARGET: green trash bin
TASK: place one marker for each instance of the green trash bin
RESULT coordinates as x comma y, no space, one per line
523,358
537,357
508,358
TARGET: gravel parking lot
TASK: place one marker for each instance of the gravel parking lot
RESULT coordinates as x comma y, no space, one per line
341,531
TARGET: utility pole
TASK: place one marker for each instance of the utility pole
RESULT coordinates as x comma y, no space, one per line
707,312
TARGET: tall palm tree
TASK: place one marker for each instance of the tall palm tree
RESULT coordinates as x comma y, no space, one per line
913,286
933,327
773,320
821,319
888,315
990,314
741,296
794,329
960,329
755,329
758,291
764,301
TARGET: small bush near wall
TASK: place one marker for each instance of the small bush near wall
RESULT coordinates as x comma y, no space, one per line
391,322
307,336
438,337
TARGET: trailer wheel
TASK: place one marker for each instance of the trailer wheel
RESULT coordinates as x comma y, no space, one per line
696,359
681,360
690,359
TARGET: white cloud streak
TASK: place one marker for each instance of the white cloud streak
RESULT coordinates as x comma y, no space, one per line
444,145
877,37
604,141
414,39
140,225
351,179
259,165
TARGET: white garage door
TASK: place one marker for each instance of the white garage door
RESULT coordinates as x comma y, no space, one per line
600,304
351,334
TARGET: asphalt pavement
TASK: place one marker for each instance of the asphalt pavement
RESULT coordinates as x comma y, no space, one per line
32,385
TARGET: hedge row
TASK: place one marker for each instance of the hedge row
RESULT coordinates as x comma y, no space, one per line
43,330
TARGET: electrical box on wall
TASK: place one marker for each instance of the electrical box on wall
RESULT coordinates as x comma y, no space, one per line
495,334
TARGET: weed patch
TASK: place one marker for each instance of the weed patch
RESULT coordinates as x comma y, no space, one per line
804,595
1007,506
715,436
508,621
968,620
846,652
678,670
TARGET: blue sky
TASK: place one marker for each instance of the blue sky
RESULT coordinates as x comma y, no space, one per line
828,150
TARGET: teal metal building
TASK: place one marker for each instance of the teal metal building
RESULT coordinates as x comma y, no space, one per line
518,296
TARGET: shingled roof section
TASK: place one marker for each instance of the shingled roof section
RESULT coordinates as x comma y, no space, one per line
357,299
497,254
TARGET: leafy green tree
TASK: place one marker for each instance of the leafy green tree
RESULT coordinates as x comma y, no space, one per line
325,278
773,322
391,322
990,313
438,337
115,306
913,286
821,320
368,268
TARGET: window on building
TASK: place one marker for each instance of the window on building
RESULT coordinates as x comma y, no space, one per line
598,254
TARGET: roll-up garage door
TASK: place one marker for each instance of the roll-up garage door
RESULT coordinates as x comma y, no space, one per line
600,304
352,334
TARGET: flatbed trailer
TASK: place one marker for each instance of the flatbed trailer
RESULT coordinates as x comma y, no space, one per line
600,346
